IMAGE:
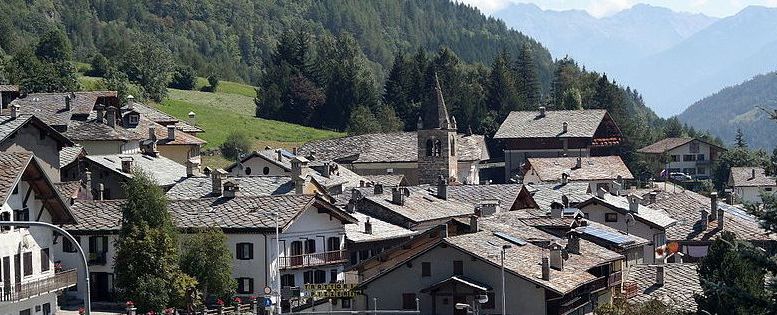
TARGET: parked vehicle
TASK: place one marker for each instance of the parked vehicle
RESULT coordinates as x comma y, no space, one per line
680,176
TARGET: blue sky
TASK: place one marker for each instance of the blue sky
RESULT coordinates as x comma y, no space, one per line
718,8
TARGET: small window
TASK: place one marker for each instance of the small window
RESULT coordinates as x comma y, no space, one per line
5,216
700,157
689,158
674,158
458,267
68,246
333,275
610,217
307,277
333,244
408,301
248,171
346,303
45,262
134,119
701,171
27,261
266,170
47,309
244,251
310,246
25,312
287,280
245,285
768,189
426,269
319,276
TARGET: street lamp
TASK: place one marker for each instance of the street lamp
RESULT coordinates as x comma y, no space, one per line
276,216
504,247
87,297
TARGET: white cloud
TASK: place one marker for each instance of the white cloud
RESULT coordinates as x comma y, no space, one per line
599,8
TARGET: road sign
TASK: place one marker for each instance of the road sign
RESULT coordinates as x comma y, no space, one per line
267,302
267,290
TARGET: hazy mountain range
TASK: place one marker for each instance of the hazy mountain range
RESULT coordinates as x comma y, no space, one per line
672,58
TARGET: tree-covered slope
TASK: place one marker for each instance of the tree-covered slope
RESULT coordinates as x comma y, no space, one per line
739,107
235,38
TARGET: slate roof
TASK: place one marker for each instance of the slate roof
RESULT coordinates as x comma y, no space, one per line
686,206
681,282
69,189
420,207
12,166
50,107
389,180
9,88
160,132
387,147
8,126
239,213
668,144
250,186
269,155
529,124
518,224
92,130
593,168
69,154
506,194
646,214
524,261
160,117
381,230
338,175
166,172
545,194
599,233
743,177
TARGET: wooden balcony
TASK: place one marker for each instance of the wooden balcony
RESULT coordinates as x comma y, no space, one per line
313,259
22,291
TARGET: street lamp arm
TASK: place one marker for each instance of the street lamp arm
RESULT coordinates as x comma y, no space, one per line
87,297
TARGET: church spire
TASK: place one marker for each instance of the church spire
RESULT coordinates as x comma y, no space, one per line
440,119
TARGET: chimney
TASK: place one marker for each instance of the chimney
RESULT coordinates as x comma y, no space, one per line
542,111
721,219
398,195
110,116
579,162
299,173
473,224
88,179
660,274
442,188
100,113
377,189
634,202
489,207
420,124
216,177
171,132
713,203
152,133
600,192
126,164
14,111
192,118
443,230
367,226
545,268
191,167
232,188
652,197
556,210
556,259
279,155
100,192
564,178
752,176
730,196
615,188
294,151
67,102
326,172
351,206
573,242
564,127
705,219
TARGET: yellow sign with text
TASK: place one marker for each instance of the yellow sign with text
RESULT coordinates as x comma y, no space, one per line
332,290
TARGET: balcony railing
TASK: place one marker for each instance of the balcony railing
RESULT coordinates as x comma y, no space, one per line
23,291
614,279
313,259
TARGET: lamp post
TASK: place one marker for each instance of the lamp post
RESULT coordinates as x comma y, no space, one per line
504,298
276,216
87,297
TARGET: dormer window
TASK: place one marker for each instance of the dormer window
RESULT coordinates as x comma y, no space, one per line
134,119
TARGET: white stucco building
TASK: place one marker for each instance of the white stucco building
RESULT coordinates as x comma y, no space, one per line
748,183
690,156
30,279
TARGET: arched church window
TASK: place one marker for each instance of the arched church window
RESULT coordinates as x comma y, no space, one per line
429,147
437,147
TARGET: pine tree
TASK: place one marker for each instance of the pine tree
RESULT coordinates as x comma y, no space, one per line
501,94
362,121
572,99
739,139
528,81
398,89
673,128
147,257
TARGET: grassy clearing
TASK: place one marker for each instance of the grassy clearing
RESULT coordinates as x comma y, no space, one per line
227,87
218,117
